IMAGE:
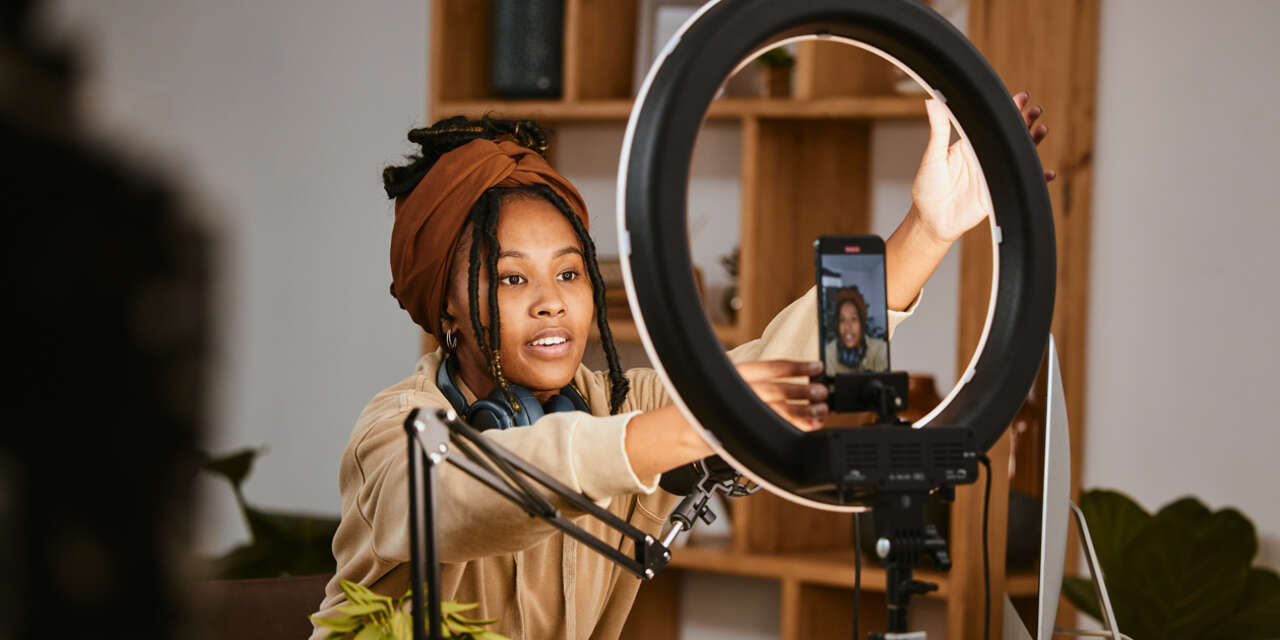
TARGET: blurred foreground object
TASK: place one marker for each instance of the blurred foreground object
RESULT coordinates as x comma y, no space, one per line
104,294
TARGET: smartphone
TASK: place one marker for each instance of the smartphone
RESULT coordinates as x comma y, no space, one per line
853,311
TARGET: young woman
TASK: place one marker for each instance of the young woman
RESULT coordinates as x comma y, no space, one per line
490,254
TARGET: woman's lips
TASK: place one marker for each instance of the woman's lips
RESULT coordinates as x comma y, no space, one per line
549,344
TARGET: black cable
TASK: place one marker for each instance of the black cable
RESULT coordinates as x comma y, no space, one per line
857,570
986,552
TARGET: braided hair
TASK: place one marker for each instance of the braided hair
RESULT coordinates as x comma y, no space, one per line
451,133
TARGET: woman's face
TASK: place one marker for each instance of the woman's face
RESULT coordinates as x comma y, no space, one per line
850,326
544,301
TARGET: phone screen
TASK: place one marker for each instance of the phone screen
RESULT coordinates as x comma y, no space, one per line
853,314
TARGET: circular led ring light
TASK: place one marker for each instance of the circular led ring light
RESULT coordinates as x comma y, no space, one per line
653,180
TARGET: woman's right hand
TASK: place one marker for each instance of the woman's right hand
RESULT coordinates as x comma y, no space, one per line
784,386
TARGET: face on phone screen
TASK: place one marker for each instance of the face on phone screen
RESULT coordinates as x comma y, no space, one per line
854,314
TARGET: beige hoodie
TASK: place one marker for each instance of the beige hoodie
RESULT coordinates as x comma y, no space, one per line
537,582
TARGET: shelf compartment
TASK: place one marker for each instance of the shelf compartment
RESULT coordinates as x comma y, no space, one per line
599,49
460,51
832,69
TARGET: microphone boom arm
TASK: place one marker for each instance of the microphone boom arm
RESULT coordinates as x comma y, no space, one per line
427,433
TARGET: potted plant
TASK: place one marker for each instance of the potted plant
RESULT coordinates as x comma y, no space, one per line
370,616
1184,572
778,63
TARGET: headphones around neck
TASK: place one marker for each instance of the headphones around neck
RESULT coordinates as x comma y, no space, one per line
494,412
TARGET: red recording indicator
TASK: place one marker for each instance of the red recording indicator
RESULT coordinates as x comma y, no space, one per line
853,249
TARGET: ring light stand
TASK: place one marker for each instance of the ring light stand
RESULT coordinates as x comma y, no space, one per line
888,469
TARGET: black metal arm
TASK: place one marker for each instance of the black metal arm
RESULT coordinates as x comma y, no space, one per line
507,474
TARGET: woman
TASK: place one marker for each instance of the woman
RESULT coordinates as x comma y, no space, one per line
490,254
852,350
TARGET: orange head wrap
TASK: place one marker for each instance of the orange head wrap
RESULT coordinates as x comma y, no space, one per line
431,218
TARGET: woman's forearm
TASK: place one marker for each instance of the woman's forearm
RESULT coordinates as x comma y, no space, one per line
911,255
661,440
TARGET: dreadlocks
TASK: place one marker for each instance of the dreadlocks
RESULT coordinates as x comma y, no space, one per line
449,134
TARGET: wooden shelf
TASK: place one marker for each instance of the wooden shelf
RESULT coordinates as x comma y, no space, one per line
553,111
833,568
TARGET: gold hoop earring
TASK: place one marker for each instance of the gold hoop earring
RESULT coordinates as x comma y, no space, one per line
451,340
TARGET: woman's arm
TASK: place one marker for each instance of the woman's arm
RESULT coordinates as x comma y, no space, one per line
661,439
949,196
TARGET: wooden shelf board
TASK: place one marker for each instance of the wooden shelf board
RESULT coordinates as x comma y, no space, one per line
618,110
832,567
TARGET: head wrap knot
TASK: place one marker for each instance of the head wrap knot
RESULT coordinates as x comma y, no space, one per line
431,218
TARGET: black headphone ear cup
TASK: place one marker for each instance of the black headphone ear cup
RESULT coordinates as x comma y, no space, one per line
486,414
530,408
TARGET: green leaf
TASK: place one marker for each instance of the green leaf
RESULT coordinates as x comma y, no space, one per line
1181,583
342,624
1259,614
1079,592
370,632
360,594
451,607
401,626
365,609
356,592
1185,511
470,621
777,57
1114,520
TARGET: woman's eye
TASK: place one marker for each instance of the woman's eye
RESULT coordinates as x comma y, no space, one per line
512,280
569,275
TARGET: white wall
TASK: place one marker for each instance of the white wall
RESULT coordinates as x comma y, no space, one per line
1183,360
279,117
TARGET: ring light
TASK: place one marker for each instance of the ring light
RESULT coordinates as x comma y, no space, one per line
653,239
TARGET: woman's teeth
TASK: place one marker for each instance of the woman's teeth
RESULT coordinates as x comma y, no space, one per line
546,342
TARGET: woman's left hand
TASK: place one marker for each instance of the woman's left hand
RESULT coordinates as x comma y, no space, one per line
779,385
949,192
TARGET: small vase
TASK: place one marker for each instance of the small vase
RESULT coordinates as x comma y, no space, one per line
778,82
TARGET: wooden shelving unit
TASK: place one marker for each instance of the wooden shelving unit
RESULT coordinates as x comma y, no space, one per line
805,171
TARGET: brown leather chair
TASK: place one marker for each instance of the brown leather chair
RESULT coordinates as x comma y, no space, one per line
258,609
